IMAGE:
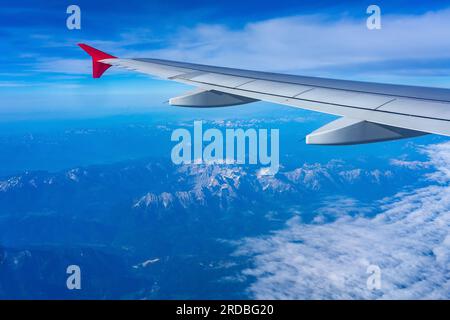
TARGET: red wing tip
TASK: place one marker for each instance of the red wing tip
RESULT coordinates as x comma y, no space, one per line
97,67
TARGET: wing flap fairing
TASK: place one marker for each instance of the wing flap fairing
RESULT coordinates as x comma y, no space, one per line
347,131
209,99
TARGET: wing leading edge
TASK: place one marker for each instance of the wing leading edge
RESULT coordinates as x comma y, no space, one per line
371,111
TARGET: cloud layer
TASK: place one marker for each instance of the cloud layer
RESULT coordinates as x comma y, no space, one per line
409,240
320,42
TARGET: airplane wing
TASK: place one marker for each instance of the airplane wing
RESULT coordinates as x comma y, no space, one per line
369,112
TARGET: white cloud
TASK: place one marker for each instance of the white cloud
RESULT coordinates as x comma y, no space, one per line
339,207
65,66
11,84
414,165
321,44
310,42
409,240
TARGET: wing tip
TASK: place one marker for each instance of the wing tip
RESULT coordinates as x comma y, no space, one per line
98,68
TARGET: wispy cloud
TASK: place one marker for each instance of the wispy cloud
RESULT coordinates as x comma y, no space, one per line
65,66
319,43
336,207
409,240
11,84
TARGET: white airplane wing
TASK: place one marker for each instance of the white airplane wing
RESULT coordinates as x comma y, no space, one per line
370,111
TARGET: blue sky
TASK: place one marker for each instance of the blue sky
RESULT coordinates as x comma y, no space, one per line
44,72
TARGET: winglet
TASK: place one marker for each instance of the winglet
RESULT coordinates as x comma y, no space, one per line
98,68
